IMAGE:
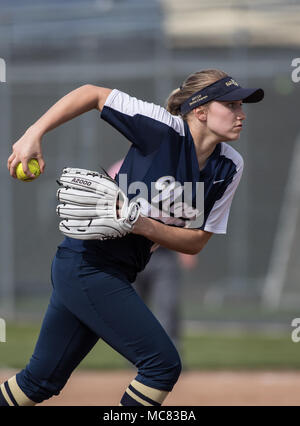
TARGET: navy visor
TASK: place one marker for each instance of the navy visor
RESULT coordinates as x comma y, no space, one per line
226,89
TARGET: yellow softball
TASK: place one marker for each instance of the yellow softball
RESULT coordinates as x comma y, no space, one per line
33,167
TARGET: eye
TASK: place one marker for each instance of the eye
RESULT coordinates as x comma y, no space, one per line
234,104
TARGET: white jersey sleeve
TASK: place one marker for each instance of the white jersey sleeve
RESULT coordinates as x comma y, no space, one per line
144,124
218,217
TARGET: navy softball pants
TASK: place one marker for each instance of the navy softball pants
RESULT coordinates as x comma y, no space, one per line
88,303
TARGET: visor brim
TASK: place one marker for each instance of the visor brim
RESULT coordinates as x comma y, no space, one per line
245,95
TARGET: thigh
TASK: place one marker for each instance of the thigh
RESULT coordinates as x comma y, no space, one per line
62,343
109,306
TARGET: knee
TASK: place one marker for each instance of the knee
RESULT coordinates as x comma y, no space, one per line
162,370
174,369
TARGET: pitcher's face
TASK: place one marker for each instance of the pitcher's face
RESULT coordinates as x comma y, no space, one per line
225,119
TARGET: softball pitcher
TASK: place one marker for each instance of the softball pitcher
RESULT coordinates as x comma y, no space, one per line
92,276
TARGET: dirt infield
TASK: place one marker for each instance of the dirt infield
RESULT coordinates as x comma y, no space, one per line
193,388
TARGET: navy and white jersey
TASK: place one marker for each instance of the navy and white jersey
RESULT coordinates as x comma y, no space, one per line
163,154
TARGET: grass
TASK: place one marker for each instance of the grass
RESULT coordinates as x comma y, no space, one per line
198,351
240,351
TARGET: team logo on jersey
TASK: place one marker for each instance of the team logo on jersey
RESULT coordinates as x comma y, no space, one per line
169,200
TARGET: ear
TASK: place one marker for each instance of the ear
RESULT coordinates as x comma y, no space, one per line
200,113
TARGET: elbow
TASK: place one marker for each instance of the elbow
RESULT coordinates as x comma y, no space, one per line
194,250
91,93
97,94
89,88
199,243
197,251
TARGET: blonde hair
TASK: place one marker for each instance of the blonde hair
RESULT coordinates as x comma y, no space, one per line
192,84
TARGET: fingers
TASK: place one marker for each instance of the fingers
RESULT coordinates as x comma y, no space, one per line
13,162
12,166
42,163
26,168
26,148
10,159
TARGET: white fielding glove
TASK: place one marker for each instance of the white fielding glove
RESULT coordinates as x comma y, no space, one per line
93,207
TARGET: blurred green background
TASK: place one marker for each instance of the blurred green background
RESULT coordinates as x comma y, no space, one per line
206,350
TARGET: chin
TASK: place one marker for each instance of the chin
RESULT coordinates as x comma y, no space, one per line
231,138
234,137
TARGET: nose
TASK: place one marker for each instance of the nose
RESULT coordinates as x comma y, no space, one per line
241,114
